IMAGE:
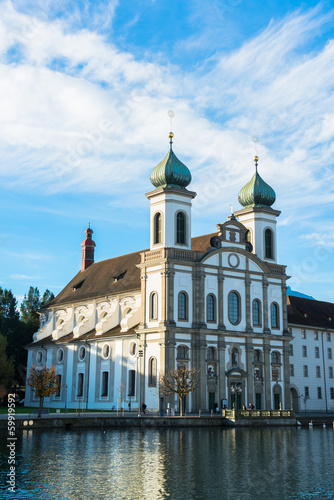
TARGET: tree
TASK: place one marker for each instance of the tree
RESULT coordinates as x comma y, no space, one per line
43,381
47,297
9,314
29,308
181,382
6,369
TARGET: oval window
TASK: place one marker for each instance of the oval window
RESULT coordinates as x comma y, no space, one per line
39,357
106,351
133,348
82,353
60,355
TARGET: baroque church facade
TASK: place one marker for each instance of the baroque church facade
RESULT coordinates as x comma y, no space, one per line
216,303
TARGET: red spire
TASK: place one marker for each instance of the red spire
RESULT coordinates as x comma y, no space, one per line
88,246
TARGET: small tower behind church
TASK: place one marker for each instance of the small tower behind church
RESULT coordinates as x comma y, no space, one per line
88,246
258,216
170,203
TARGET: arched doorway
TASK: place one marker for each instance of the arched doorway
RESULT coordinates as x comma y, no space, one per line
294,399
277,395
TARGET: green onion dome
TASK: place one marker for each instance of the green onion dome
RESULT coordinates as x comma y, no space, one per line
256,193
171,172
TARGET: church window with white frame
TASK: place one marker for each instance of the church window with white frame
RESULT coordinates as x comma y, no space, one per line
268,243
256,312
274,315
180,228
211,308
152,372
154,306
183,306
157,228
234,308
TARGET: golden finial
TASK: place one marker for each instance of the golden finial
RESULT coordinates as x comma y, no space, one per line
171,135
256,159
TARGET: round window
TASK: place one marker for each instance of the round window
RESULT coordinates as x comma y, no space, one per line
133,348
106,351
39,357
60,355
82,353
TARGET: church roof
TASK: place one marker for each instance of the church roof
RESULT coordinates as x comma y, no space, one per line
309,312
111,276
114,332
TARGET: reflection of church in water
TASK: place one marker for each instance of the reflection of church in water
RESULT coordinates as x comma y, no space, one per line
216,303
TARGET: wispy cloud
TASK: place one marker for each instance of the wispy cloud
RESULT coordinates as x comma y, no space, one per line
86,115
23,277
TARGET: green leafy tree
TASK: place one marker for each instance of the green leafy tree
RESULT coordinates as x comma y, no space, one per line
6,368
43,382
181,382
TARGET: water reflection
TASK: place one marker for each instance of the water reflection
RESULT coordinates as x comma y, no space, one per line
187,464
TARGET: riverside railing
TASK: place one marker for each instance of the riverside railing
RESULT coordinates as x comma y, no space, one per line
258,413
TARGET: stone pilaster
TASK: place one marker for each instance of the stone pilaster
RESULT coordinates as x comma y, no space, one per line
167,361
265,305
286,375
248,282
221,325
198,361
250,371
284,310
267,375
143,279
222,369
167,296
198,299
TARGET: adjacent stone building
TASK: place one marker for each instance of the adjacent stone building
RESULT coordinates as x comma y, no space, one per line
311,323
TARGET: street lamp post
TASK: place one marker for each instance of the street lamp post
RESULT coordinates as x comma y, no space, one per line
236,391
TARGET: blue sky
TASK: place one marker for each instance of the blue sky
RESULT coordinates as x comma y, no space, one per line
85,88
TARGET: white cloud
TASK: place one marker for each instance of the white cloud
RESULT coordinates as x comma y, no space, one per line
68,82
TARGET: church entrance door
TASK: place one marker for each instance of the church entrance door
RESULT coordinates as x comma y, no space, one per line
211,401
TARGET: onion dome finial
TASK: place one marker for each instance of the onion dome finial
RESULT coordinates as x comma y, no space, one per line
171,172
256,193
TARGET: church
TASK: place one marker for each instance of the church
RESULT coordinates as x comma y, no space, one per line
215,302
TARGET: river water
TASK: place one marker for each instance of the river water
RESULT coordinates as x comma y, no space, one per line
154,464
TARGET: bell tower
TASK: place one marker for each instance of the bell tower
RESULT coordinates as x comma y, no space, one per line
170,203
258,216
88,246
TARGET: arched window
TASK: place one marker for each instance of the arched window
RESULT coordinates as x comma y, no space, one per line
233,308
154,305
235,357
268,242
257,356
182,352
157,228
180,228
275,357
152,372
183,306
274,315
256,312
211,307
211,354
